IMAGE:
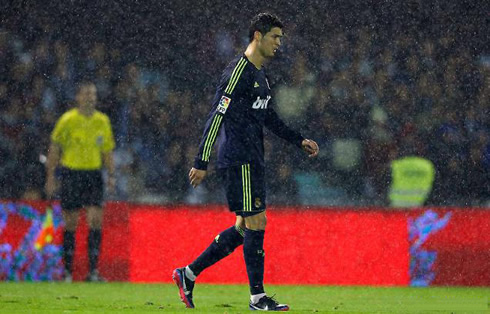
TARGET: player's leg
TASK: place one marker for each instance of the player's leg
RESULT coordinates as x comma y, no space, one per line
222,245
70,204
253,252
70,218
253,243
93,200
94,219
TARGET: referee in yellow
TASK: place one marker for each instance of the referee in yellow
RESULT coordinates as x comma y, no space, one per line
82,142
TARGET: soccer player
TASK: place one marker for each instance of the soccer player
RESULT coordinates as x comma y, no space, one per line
83,138
242,107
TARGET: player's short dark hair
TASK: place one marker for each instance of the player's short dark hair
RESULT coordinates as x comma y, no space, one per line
83,83
263,22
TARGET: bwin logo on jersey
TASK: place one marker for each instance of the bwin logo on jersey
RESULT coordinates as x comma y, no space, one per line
261,103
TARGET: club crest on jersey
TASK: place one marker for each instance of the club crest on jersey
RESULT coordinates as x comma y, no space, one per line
261,103
99,140
223,104
258,203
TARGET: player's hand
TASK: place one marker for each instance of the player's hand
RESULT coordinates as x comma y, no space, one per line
50,186
311,147
196,176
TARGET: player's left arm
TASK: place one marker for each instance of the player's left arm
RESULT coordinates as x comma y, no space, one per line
59,139
278,127
108,157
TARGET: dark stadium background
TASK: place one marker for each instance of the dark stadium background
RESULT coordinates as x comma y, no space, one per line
156,64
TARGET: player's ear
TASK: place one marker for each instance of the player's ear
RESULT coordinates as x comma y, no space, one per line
257,35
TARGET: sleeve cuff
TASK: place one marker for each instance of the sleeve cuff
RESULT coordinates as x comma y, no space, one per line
201,165
300,141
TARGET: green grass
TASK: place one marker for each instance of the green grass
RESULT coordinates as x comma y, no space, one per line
132,298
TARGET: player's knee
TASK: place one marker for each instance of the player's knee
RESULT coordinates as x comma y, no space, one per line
240,223
262,222
256,222
70,218
95,223
70,225
95,216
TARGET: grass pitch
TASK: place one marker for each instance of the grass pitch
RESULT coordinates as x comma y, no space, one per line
142,298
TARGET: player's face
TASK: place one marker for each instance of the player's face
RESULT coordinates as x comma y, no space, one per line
270,42
87,96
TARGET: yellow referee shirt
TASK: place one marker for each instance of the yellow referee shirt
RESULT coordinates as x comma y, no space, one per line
83,139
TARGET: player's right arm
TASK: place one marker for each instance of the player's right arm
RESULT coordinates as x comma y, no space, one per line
235,84
58,138
52,162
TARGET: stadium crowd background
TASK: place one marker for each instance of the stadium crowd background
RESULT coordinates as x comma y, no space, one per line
368,81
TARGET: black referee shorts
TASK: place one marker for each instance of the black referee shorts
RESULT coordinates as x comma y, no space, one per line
245,188
80,188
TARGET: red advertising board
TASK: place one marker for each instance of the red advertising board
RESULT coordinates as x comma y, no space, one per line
303,246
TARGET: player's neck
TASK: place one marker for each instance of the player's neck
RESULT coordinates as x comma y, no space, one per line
254,56
88,112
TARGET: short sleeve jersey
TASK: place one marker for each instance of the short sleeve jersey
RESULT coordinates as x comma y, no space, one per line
83,139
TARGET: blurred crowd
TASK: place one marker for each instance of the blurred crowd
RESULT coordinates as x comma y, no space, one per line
375,100
365,97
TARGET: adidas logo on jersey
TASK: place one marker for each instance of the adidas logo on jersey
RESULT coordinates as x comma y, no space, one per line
261,103
256,85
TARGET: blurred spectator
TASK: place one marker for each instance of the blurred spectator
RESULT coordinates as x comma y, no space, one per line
63,77
295,98
412,175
